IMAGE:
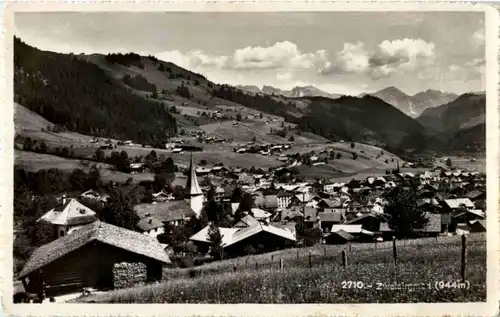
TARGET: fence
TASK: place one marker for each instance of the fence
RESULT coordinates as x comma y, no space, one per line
395,252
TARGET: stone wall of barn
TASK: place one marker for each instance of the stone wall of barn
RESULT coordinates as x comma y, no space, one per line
127,274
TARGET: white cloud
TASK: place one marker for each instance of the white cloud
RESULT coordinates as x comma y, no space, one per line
478,37
284,56
389,58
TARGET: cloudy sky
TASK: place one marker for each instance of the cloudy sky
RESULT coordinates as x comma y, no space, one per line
339,52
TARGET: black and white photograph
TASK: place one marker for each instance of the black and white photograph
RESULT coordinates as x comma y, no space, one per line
252,157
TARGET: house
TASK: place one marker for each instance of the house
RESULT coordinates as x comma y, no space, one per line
338,237
466,215
431,229
172,212
284,199
323,220
270,202
87,257
246,221
477,226
259,237
137,167
90,194
68,216
370,222
288,214
150,226
454,204
260,214
162,196
348,232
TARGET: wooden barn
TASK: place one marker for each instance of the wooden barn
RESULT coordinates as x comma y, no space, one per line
86,258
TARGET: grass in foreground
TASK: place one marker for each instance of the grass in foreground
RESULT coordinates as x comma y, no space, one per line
323,283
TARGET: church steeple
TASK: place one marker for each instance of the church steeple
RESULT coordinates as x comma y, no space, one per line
193,190
192,186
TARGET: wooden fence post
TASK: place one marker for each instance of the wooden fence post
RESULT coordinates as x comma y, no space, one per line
344,259
350,247
272,258
463,263
324,251
310,259
297,254
281,264
256,265
394,249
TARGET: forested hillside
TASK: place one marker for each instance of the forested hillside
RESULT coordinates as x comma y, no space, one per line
80,96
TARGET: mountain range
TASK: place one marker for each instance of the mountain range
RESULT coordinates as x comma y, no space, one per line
296,92
414,105
147,100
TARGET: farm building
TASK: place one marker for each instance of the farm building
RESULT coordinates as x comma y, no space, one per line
68,216
87,258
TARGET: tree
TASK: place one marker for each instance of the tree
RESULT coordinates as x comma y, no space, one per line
93,178
99,155
215,238
354,155
291,138
43,147
237,195
78,179
119,210
159,182
352,145
247,202
404,216
449,163
339,155
238,117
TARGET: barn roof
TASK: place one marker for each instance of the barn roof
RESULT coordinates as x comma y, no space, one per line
165,211
125,239
70,213
149,223
345,235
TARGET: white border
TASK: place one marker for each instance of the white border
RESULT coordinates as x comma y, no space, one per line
6,149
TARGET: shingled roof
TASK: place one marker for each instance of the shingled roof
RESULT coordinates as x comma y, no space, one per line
125,239
70,212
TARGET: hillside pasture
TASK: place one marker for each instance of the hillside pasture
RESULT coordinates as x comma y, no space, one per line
419,262
34,162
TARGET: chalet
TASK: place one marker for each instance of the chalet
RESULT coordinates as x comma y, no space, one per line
454,204
150,226
347,232
431,229
90,194
289,214
323,220
370,222
172,212
261,237
270,202
87,257
162,196
476,195
284,199
137,167
260,214
477,226
338,237
68,216
466,215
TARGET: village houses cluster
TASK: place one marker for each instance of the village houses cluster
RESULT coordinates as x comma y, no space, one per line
453,200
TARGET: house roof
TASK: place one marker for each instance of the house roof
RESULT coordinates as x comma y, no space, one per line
125,239
474,194
259,213
341,233
246,221
231,236
149,223
457,202
347,228
165,211
475,212
69,213
330,216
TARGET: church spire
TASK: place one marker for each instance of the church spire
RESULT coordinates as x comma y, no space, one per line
192,182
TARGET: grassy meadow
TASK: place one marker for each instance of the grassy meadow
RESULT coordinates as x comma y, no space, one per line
424,261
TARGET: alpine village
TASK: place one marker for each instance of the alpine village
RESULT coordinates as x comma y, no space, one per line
139,181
